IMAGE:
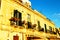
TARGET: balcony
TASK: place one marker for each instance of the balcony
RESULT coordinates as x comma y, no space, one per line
41,29
13,20
51,32
54,33
48,31
29,25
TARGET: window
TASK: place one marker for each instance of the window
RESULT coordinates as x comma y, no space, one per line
29,21
28,17
50,29
29,25
45,28
18,15
0,3
57,31
54,31
39,25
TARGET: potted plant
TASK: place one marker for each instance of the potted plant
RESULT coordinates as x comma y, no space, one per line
14,19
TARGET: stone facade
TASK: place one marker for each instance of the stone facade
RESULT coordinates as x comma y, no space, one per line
19,22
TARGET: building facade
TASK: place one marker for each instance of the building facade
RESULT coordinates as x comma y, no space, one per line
19,22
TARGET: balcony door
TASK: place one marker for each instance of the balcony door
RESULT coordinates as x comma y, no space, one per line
39,25
45,28
17,14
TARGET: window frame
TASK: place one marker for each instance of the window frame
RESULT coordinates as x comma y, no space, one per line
28,17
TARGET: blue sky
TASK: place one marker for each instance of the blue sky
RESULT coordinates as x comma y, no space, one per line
49,8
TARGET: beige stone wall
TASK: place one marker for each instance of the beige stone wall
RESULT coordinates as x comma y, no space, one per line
8,8
5,35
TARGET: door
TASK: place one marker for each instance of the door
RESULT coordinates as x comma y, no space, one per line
15,37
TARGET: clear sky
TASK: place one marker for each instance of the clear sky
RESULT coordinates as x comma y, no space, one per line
49,8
